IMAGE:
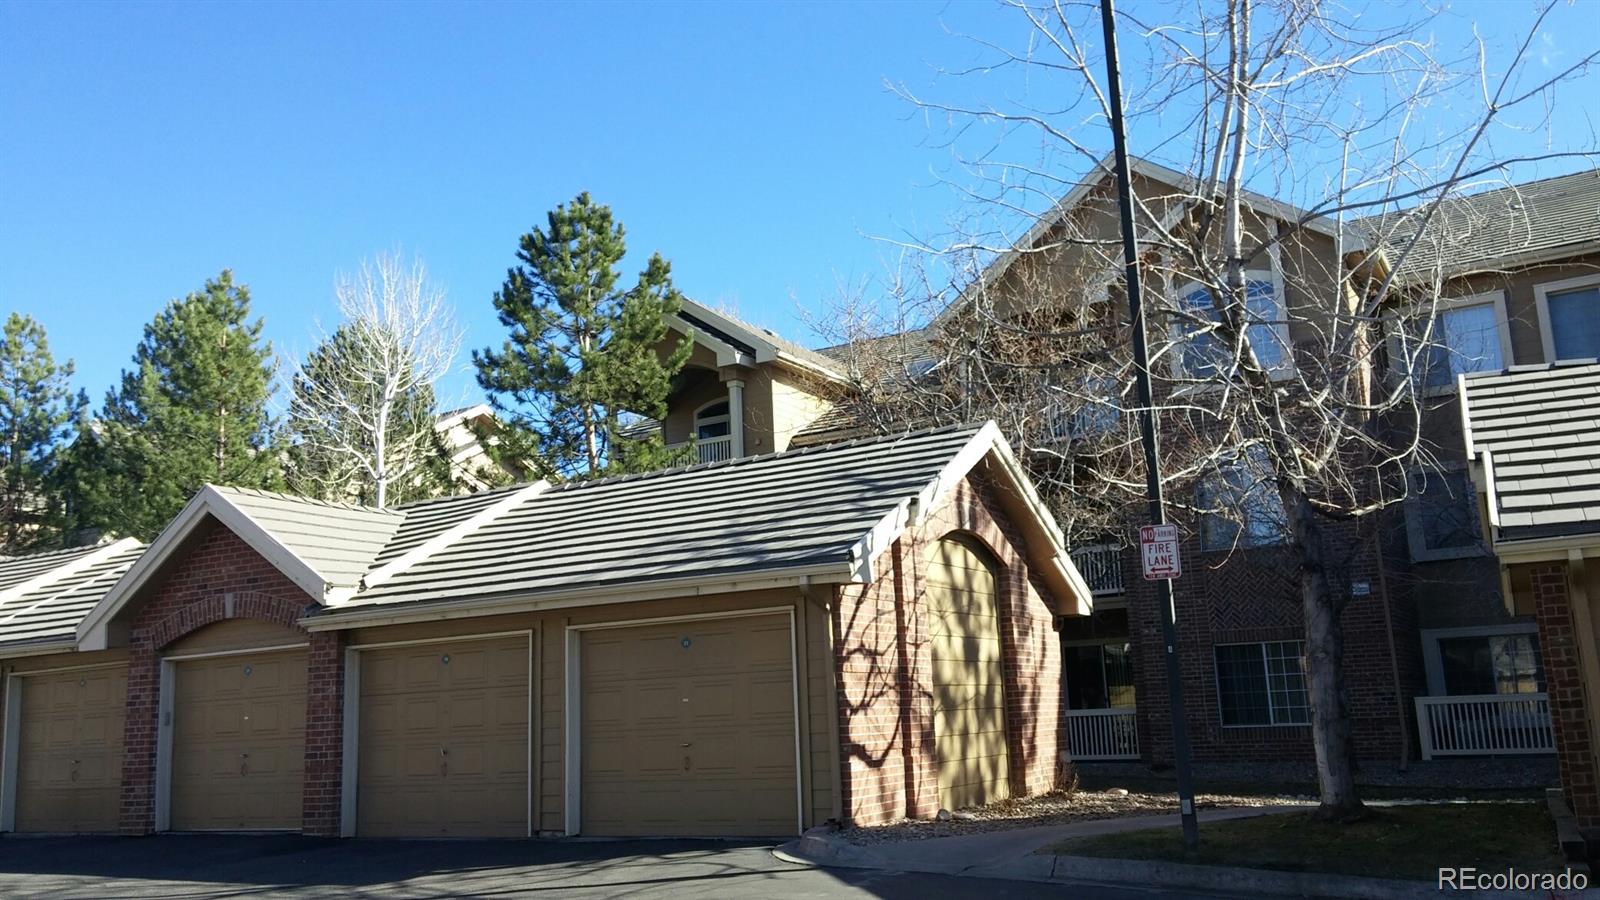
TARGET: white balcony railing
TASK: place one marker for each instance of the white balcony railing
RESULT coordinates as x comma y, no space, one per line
1103,733
1485,725
709,450
1101,567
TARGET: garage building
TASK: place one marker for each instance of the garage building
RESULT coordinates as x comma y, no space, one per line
856,632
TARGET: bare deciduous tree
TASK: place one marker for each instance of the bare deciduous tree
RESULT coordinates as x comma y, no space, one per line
1295,252
362,405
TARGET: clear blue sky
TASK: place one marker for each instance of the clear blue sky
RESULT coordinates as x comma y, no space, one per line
144,147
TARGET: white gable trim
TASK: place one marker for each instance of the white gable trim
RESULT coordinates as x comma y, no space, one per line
93,630
450,535
765,349
989,443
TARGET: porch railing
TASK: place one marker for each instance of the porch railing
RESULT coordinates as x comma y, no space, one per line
1101,566
1485,725
709,450
1103,733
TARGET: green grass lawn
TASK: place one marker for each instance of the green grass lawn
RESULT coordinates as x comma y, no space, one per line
1393,842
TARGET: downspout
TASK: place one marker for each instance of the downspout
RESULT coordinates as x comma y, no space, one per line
1394,658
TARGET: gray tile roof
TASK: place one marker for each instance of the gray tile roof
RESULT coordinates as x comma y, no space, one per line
338,540
1481,231
52,611
426,519
14,570
799,508
1541,427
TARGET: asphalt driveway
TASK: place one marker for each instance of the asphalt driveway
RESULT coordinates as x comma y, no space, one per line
196,867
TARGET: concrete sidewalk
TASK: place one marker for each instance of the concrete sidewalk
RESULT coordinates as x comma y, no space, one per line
1014,855
990,852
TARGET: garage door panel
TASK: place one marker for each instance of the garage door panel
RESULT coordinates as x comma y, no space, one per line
69,757
444,739
238,744
687,728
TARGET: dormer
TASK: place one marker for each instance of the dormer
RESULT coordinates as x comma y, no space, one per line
745,391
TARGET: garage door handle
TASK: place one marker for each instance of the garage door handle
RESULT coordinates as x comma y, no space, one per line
687,744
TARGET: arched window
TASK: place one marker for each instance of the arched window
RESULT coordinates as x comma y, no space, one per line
712,421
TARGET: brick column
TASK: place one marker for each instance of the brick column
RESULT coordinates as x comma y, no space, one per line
1559,644
324,734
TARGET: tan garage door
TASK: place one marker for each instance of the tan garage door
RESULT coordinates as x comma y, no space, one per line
968,702
238,742
444,739
69,761
688,728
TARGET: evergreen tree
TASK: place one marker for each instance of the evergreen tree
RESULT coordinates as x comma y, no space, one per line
583,356
331,418
37,411
191,411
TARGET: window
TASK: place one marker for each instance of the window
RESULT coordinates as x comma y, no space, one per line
1204,354
1093,408
1239,504
1467,335
1099,676
1441,516
1262,684
1569,314
1483,659
712,421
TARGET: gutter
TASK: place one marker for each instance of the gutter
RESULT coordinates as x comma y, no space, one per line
686,586
21,650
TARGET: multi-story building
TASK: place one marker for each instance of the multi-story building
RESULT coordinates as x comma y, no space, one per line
1442,646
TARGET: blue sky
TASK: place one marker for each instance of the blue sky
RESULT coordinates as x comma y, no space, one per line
144,147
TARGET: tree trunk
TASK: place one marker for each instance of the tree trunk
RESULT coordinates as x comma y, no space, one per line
1331,730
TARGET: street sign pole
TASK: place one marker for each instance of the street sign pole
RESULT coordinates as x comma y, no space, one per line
1147,424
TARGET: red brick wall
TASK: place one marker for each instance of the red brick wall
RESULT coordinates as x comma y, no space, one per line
1569,706
213,571
884,664
1253,596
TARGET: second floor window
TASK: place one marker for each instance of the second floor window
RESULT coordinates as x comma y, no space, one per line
1205,353
1239,504
1467,335
712,421
1571,314
1441,516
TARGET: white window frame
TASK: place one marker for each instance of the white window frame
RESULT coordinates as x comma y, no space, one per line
1176,331
1502,323
1416,531
1541,296
698,420
1266,675
1433,661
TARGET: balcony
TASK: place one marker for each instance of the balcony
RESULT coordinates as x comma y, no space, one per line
1102,734
1101,568
1485,725
708,450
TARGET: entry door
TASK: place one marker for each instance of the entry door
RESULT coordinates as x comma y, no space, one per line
444,739
69,759
688,728
238,742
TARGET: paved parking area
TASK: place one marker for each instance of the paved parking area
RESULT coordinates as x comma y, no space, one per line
203,867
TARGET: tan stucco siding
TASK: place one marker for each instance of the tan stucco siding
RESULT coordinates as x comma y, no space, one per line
1522,307
796,403
550,630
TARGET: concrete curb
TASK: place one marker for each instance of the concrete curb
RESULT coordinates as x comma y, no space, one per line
824,849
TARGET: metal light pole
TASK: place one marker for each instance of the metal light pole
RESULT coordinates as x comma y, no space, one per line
1147,425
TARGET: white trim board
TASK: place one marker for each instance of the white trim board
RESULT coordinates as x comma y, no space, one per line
572,723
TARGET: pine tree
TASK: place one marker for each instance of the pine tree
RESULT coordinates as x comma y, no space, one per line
584,357
191,411
37,411
331,416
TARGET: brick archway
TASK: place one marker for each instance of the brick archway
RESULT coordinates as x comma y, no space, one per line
220,578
